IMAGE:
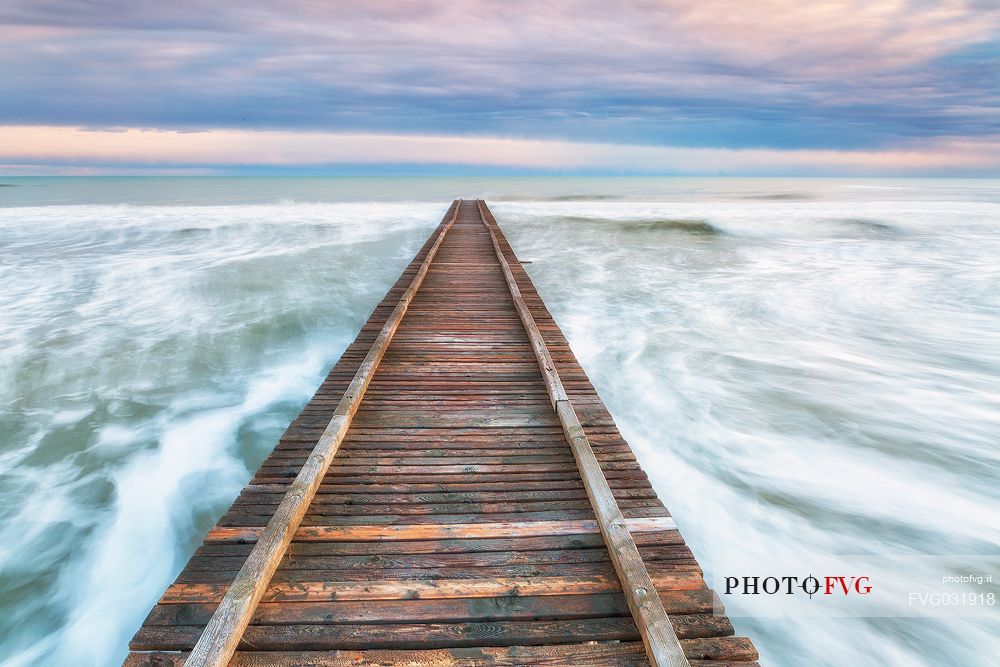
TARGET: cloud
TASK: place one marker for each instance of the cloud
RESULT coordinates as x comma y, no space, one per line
129,149
718,73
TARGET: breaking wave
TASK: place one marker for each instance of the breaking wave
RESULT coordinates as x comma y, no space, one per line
645,226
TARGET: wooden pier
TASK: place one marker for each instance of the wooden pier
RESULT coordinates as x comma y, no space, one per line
455,493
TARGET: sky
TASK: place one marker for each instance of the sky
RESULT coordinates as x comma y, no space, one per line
670,86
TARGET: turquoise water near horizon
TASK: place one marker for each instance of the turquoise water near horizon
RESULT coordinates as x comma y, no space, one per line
245,190
808,368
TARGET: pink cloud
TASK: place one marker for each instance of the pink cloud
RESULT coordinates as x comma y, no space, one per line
137,147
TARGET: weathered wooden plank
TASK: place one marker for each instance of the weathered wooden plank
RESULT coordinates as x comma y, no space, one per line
312,637
444,610
379,562
588,654
379,533
357,498
446,546
410,559
725,652
680,569
317,591
397,635
468,484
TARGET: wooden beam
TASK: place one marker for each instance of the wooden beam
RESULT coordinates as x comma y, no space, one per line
580,655
662,646
222,635
687,578
439,531
707,652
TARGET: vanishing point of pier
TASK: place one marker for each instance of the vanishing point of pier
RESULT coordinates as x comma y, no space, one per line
456,493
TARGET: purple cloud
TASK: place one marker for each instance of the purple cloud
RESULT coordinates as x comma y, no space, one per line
719,73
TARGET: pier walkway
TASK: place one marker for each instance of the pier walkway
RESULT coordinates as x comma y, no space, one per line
456,493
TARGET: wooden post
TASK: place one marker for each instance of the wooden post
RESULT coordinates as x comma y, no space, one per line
662,647
222,635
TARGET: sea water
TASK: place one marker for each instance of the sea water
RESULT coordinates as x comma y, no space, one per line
808,369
